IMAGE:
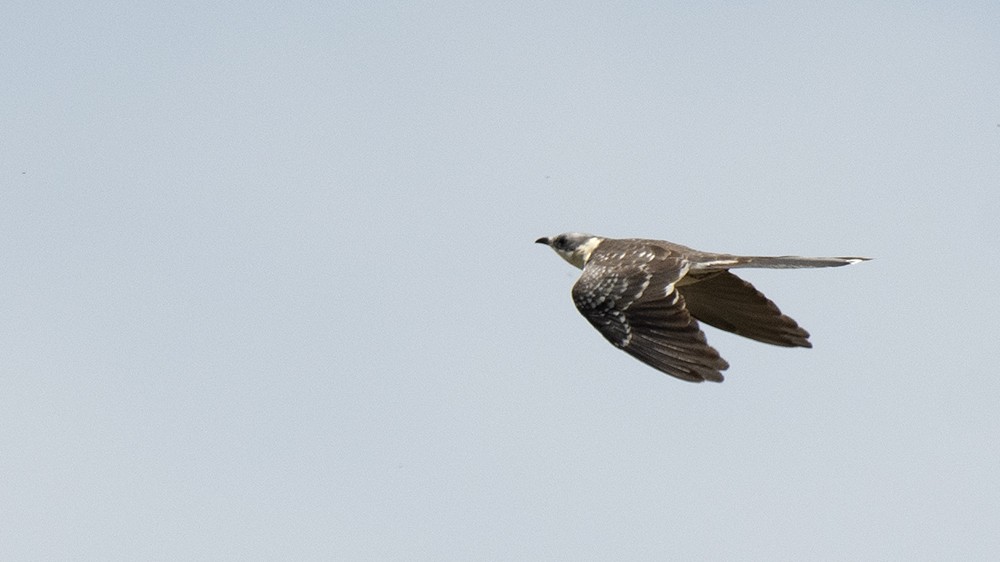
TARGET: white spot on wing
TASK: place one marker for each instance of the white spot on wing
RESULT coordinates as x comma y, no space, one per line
668,291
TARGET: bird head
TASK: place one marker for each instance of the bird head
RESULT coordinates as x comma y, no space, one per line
574,247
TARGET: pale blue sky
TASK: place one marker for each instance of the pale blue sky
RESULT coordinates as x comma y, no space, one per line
269,289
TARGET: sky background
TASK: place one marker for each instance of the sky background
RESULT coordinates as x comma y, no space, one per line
269,288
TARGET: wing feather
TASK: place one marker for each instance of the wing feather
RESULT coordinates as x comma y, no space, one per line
729,303
628,294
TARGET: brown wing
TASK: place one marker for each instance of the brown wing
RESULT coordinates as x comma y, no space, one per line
629,297
729,303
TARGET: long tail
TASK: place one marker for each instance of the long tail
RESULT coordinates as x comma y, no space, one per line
793,262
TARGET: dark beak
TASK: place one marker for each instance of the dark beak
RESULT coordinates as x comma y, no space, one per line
542,240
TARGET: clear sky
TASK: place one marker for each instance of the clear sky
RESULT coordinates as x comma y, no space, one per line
269,288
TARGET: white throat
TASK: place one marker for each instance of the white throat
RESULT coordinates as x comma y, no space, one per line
580,255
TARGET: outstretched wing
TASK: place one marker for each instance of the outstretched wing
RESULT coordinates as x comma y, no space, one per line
628,294
729,303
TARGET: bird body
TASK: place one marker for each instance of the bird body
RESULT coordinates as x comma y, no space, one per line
647,296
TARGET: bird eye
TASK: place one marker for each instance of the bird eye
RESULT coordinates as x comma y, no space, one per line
560,241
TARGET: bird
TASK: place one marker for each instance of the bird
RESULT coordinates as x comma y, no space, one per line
646,297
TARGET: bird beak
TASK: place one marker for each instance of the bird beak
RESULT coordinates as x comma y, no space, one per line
542,240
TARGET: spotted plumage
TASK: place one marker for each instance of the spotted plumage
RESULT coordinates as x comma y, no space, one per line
647,296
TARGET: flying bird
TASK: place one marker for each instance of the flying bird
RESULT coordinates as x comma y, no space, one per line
647,296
